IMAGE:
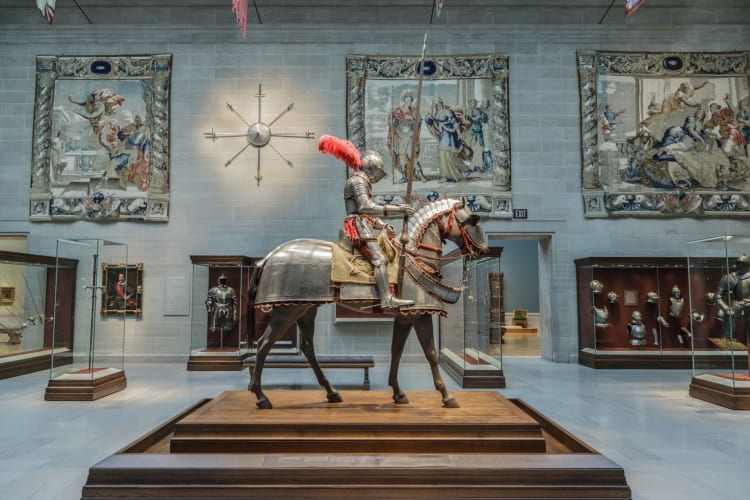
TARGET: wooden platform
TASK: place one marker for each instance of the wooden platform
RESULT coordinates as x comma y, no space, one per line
721,390
365,447
85,386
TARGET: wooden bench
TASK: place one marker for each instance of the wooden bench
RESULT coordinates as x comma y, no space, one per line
297,361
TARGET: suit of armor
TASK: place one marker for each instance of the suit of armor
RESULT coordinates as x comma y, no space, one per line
637,330
221,304
733,295
363,219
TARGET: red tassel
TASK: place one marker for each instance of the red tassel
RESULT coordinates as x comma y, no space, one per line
342,149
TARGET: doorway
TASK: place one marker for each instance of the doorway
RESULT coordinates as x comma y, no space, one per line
525,268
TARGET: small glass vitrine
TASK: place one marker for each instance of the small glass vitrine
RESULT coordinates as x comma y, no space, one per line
719,313
221,336
92,366
472,322
28,311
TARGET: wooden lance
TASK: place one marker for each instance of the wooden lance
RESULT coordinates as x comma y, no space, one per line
410,174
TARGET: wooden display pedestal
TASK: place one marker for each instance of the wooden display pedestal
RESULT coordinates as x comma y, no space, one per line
720,390
81,385
216,360
365,447
476,370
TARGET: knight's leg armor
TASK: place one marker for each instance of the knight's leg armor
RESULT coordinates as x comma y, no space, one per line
388,301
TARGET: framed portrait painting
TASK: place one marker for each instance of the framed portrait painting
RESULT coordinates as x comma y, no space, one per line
122,289
100,150
665,134
461,123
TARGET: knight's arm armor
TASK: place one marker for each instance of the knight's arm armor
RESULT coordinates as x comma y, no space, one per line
358,200
726,285
210,301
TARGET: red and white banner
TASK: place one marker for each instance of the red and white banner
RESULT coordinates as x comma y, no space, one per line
48,9
239,7
631,6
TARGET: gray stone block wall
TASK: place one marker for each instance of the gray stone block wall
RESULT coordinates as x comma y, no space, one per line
218,210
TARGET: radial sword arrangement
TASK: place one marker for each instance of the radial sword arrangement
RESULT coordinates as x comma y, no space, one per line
258,134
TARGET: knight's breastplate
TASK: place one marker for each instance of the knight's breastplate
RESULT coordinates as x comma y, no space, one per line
637,330
742,289
601,316
675,307
223,297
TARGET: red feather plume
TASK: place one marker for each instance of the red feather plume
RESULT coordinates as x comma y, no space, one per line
342,149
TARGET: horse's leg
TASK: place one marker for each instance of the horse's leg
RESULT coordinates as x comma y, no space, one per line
306,332
423,327
401,329
281,319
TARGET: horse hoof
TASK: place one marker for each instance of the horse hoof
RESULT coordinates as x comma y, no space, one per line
451,403
401,399
263,404
334,397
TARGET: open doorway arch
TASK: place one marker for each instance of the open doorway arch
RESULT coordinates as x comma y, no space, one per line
527,255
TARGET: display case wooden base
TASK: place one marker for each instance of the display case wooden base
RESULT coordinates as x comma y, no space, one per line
721,390
82,386
28,362
475,371
649,358
366,447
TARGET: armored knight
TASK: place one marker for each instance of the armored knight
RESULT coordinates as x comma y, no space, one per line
733,294
637,330
221,304
676,302
362,213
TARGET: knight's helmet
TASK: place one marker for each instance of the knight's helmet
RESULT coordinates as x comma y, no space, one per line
222,279
676,290
743,261
636,316
373,166
596,286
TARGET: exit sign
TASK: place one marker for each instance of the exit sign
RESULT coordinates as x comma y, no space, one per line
520,213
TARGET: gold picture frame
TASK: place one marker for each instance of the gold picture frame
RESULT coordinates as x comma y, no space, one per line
7,295
122,289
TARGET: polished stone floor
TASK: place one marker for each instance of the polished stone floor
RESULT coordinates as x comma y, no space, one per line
671,445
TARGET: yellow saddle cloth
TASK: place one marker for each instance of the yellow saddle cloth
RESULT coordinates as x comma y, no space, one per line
351,266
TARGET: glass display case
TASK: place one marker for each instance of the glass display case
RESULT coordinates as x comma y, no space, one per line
93,366
719,314
221,314
633,313
466,352
27,311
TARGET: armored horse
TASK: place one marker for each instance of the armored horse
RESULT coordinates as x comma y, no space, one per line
295,279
